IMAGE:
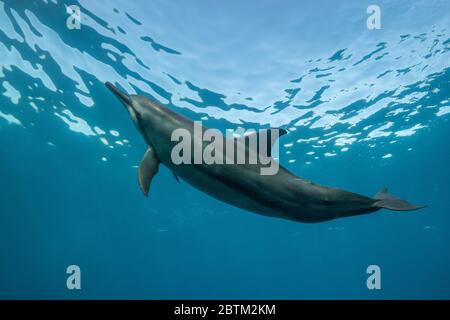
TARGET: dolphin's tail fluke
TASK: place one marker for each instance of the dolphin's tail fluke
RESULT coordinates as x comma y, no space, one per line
388,201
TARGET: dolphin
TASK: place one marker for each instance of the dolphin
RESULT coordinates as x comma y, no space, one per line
282,195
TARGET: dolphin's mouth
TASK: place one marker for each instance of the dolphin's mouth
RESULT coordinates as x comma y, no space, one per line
119,94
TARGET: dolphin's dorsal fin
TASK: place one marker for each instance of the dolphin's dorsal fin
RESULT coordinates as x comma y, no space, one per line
147,169
271,135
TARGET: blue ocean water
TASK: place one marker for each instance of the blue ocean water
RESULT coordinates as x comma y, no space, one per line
364,109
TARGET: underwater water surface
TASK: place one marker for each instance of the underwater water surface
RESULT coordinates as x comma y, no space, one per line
365,109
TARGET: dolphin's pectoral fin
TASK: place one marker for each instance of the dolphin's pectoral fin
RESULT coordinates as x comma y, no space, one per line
269,136
147,169
388,201
176,177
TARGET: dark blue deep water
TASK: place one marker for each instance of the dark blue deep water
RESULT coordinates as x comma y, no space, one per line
365,109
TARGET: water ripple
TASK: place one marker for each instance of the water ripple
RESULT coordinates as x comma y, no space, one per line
365,93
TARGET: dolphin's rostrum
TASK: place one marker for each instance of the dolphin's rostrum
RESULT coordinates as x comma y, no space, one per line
282,195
